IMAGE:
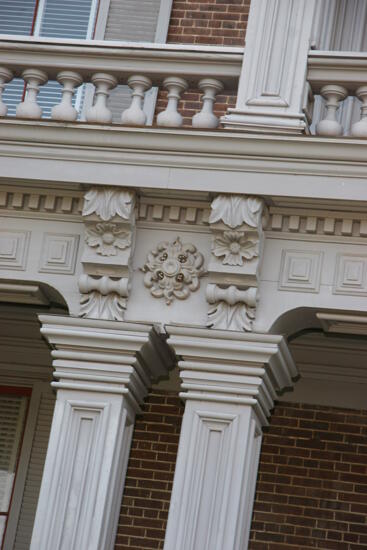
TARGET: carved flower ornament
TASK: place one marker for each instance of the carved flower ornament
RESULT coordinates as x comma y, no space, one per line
235,246
173,270
107,237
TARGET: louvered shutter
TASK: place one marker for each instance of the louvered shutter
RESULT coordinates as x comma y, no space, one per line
57,19
34,473
12,416
16,16
135,21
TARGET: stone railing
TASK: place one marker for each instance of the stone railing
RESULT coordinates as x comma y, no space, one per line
341,79
207,69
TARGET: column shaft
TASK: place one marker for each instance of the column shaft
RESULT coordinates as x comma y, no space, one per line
103,371
229,382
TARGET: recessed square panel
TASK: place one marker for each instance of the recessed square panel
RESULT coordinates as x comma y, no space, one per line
13,249
300,271
350,275
59,253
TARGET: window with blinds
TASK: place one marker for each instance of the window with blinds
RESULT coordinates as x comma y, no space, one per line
13,411
46,18
130,20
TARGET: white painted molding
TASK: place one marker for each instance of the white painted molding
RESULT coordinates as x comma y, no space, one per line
229,382
153,158
343,323
271,89
103,371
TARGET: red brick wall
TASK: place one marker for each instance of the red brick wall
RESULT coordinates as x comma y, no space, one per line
312,484
150,473
210,22
218,22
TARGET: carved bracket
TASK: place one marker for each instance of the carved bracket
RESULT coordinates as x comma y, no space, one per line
236,223
109,240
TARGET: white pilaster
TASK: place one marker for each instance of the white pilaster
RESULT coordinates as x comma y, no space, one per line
229,382
271,93
103,371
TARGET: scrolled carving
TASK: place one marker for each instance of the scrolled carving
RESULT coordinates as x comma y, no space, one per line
235,246
234,210
231,308
107,238
108,202
173,270
103,297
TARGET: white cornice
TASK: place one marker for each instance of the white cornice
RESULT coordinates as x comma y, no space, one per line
177,159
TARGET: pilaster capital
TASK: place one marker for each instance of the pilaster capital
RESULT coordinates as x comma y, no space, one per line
105,356
232,367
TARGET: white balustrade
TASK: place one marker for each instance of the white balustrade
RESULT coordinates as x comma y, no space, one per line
359,129
206,118
5,76
209,70
330,126
170,116
99,112
65,110
135,115
29,108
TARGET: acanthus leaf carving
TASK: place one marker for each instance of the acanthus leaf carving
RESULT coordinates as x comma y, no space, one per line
108,202
107,238
103,297
234,210
235,246
231,308
173,270
96,306
238,317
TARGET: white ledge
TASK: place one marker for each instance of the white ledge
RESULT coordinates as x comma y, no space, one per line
183,160
122,59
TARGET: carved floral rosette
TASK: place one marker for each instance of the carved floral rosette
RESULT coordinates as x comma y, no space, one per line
173,270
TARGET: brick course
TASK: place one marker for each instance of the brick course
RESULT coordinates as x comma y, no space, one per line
312,483
149,478
216,22
206,22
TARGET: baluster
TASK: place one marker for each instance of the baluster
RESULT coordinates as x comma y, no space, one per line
99,112
359,129
65,110
29,108
206,118
170,116
134,114
5,76
329,126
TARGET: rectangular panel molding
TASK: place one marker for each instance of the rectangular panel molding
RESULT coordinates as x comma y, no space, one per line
272,88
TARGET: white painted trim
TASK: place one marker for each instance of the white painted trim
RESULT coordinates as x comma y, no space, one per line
163,21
